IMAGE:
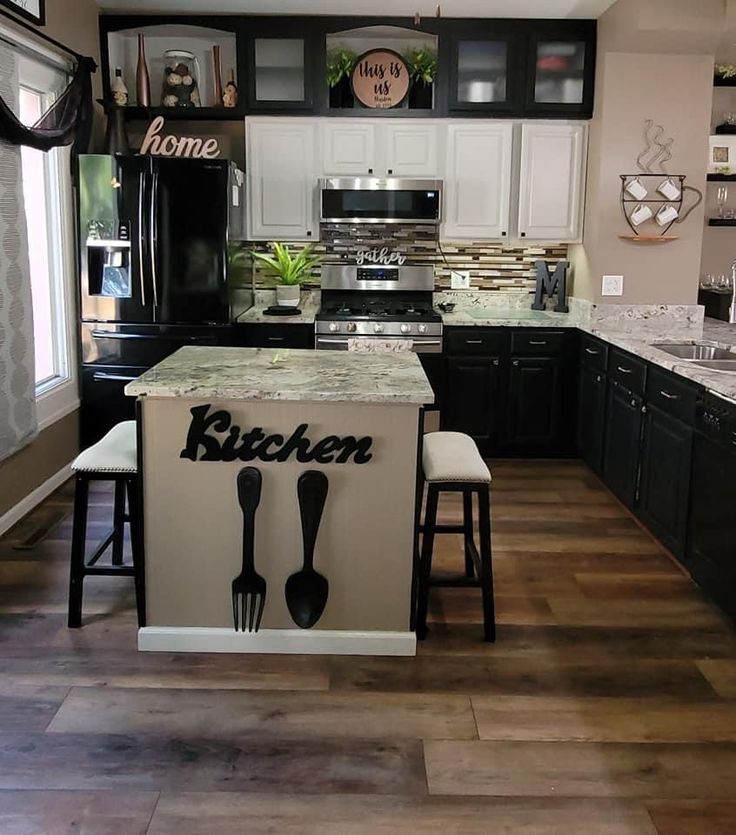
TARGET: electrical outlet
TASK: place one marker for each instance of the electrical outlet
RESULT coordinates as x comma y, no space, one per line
460,280
613,285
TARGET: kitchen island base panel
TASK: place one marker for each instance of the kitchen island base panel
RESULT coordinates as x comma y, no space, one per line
279,641
194,528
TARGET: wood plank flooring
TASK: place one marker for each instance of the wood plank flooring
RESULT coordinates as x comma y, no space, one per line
606,707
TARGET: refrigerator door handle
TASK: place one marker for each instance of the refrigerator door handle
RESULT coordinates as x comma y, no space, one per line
141,187
153,237
202,340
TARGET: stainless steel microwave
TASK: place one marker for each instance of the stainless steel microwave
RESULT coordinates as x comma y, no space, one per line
380,200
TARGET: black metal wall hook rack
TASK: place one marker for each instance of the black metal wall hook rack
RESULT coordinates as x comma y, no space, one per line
37,33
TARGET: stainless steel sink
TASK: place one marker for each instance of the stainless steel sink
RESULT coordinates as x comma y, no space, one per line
695,351
718,365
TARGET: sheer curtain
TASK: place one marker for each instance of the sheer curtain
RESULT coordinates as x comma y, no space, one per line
18,423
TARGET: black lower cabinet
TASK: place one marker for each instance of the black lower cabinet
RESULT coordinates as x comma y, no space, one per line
622,442
103,399
275,336
472,399
535,405
665,478
591,419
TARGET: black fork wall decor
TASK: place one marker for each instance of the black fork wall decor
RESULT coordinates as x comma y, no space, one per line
249,587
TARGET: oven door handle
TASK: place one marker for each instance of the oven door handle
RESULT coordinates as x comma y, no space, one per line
322,341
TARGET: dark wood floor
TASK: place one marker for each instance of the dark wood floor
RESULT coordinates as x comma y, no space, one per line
607,706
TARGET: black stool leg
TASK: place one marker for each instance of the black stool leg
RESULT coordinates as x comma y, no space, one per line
79,537
118,515
468,525
136,538
425,562
486,577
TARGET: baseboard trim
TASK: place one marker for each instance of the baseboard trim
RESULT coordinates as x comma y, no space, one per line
280,641
32,500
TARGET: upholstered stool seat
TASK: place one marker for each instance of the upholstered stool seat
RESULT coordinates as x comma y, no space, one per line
113,458
451,463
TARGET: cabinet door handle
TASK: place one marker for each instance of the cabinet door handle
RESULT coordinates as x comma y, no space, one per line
598,378
592,352
669,396
370,170
473,341
537,341
495,362
514,362
275,339
390,170
623,369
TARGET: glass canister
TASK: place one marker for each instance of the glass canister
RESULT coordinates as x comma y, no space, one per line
181,79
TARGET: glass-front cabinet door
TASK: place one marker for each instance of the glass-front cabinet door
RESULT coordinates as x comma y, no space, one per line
280,73
484,70
561,70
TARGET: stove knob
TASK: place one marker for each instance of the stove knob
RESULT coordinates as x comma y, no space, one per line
351,327
378,327
422,328
334,327
406,328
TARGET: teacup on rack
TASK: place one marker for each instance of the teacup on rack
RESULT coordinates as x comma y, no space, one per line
669,189
666,215
636,189
641,214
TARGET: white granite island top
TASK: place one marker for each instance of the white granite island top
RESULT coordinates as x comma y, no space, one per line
198,372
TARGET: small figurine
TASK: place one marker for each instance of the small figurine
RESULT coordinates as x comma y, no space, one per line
230,94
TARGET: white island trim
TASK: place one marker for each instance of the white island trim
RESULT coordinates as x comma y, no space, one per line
281,641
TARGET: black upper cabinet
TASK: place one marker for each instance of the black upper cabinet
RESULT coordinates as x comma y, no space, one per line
485,68
560,71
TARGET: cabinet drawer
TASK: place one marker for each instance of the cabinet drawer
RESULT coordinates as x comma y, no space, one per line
593,353
537,343
482,341
278,336
629,372
672,394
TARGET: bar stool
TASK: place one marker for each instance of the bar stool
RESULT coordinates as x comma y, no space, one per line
113,458
452,464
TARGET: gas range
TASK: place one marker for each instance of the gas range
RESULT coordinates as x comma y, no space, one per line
377,302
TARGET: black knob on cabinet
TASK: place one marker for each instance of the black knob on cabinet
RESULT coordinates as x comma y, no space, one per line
309,233
390,170
523,234
503,234
370,170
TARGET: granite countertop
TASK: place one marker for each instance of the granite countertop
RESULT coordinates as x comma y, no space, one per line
499,317
197,372
255,315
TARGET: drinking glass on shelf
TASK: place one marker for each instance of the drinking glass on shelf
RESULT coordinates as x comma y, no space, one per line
721,198
730,118
706,282
722,282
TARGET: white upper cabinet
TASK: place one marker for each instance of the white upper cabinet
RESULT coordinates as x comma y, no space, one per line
552,181
412,149
282,179
348,146
363,147
477,180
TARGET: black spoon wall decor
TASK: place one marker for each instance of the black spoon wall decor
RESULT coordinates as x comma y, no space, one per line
307,590
249,588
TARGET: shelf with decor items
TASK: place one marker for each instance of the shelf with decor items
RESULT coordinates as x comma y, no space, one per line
280,64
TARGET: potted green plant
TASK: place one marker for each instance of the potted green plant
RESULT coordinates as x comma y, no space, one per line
289,271
422,64
340,63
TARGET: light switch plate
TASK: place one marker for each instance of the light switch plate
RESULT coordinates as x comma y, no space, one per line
613,285
460,280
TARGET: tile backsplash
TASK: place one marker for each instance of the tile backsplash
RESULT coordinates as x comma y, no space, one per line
492,267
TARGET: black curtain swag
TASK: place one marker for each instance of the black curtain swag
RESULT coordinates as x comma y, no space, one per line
67,122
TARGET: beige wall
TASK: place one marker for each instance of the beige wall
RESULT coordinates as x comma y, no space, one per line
73,22
655,61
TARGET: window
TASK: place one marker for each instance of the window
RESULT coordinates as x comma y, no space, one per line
48,208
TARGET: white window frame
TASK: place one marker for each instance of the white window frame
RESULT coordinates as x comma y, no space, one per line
58,396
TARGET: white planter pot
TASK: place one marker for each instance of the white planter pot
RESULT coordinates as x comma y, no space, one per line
288,295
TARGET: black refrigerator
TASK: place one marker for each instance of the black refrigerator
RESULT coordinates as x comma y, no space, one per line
153,263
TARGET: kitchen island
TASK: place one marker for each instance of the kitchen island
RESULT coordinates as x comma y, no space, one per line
206,414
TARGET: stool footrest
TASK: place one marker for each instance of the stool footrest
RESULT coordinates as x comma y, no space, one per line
458,582
109,571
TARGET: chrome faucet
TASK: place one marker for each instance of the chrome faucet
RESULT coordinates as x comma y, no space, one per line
732,309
